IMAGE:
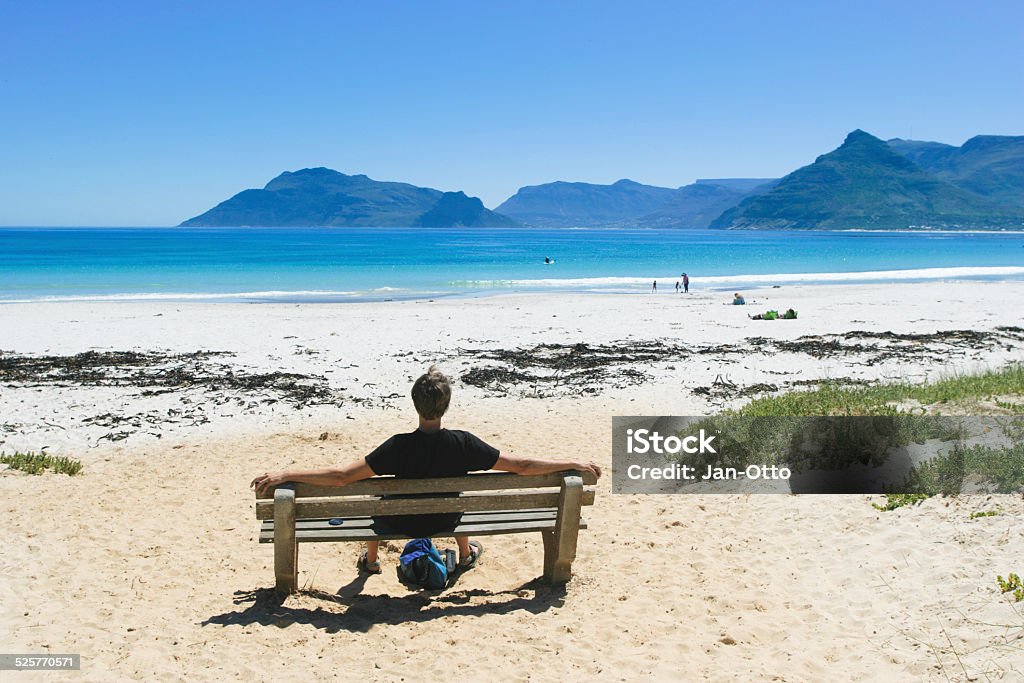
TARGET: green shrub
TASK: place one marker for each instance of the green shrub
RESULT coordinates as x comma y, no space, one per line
1012,584
898,500
37,463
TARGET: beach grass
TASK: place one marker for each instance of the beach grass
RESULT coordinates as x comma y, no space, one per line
37,463
999,468
894,501
809,430
883,399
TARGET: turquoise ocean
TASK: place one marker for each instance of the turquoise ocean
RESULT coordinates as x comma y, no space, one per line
358,264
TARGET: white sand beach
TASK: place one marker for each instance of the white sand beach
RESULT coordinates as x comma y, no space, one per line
147,562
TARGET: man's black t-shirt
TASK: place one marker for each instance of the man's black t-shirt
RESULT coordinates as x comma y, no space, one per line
422,455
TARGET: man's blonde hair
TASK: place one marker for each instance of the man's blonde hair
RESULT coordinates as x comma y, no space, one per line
431,394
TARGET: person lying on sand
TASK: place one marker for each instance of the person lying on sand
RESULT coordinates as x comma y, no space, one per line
790,314
767,315
429,451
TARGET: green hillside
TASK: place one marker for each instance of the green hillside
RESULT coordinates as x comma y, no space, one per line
865,184
988,165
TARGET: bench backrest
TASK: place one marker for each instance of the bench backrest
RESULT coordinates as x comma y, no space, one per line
477,492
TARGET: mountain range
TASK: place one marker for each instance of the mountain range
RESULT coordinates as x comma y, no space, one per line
628,204
316,197
865,183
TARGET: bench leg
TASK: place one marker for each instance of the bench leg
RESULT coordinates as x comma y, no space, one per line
550,553
286,549
286,567
560,544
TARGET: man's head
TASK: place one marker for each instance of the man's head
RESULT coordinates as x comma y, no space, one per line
431,394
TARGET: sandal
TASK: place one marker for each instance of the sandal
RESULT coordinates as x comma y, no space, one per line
476,549
368,567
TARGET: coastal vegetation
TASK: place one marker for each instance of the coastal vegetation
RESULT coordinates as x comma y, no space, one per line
1012,585
961,392
834,427
37,463
894,501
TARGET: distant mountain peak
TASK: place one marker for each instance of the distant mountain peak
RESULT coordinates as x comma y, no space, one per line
315,171
456,209
860,136
323,197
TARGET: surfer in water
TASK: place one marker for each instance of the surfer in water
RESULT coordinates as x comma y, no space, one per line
548,260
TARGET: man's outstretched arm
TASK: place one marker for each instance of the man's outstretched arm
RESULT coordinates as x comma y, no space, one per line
330,476
519,465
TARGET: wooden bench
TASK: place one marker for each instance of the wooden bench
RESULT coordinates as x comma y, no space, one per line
492,503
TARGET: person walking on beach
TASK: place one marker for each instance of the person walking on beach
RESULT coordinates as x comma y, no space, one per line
677,286
429,451
654,287
686,283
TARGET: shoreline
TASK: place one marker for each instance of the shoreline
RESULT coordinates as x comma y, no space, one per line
562,286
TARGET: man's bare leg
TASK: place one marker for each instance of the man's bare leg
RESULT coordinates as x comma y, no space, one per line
371,551
469,551
464,550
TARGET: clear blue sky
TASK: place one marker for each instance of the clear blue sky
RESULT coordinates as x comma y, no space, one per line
147,113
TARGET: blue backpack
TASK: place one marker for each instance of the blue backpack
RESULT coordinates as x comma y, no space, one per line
423,565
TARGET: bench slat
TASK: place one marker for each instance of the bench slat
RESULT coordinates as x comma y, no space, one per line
318,508
379,486
327,533
469,517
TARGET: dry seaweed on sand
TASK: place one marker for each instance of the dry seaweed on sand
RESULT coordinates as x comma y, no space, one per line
582,356
572,369
90,368
566,369
881,346
723,388
157,373
582,382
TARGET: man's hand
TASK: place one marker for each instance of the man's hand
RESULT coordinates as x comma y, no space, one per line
591,467
268,480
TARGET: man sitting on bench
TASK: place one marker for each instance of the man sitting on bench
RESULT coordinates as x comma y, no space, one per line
430,451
